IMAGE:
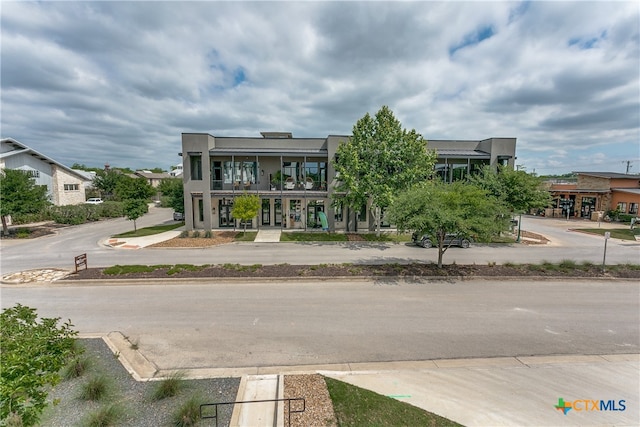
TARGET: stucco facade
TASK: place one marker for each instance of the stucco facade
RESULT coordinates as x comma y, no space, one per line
293,177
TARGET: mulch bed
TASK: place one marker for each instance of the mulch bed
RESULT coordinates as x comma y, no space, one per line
352,270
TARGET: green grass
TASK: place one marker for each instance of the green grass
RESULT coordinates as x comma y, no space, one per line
149,231
239,267
387,237
249,236
188,414
125,269
169,386
95,389
616,233
355,406
185,267
108,415
77,367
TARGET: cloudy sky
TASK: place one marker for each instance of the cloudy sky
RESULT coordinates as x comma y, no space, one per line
118,82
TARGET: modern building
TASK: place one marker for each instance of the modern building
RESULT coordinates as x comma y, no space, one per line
595,192
64,185
294,177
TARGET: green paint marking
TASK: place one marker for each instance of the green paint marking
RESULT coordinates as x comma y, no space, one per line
399,396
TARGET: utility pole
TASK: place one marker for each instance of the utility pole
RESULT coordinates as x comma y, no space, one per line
629,165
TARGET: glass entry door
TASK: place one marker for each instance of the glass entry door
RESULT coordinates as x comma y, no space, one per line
277,209
266,212
224,215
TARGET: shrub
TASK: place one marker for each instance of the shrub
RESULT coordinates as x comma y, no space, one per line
76,368
111,209
188,414
208,234
95,389
169,386
184,234
105,416
567,264
196,234
31,360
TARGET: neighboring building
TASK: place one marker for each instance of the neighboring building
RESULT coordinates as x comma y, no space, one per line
64,185
176,171
293,177
154,179
596,192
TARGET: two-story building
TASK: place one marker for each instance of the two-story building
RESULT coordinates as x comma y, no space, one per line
294,177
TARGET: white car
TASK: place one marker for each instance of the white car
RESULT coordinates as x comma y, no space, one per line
94,201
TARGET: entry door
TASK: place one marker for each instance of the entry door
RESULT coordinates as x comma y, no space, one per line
266,212
224,216
277,208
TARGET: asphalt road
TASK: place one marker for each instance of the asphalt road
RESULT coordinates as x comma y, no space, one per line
297,323
59,251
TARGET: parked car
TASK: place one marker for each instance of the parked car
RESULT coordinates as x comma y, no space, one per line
450,239
178,216
94,201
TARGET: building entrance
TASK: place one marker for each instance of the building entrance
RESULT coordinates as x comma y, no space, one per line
224,213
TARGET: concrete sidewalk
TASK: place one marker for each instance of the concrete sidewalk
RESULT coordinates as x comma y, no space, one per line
500,391
141,242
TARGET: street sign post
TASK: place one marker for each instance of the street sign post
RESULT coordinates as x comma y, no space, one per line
607,235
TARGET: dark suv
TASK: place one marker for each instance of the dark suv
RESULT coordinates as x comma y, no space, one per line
449,240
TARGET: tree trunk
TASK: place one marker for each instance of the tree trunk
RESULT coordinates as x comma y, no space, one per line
378,221
5,227
135,228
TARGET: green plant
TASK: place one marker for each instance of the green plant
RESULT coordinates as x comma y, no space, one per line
23,233
188,414
76,368
33,353
567,264
108,415
208,234
95,388
169,386
184,234
195,234
126,269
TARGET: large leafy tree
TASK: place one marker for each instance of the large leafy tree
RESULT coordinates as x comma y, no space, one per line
438,209
128,188
33,352
379,160
19,194
106,182
519,190
173,189
245,207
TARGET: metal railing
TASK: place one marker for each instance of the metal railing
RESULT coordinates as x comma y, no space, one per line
215,405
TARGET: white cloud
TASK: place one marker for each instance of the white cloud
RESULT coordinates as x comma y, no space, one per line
117,82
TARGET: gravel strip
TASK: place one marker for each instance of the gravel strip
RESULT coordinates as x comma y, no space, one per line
135,397
318,407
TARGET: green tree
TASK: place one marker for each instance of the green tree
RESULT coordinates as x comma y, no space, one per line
19,194
173,189
134,209
106,182
245,208
438,209
379,160
33,352
519,190
129,188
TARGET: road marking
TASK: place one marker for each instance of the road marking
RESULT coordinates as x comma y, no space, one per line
551,332
255,321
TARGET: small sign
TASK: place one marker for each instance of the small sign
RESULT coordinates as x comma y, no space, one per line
607,235
81,260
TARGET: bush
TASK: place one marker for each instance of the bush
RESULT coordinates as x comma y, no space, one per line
76,368
188,414
106,416
111,209
95,389
169,386
31,361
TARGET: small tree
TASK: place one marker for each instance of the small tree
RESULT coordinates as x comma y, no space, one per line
19,194
32,355
133,188
173,189
106,181
134,209
378,161
245,208
438,209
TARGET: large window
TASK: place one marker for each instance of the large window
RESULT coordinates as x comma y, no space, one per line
633,208
622,207
240,172
71,187
196,167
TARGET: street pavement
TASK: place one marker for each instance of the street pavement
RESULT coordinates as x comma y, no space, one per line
518,390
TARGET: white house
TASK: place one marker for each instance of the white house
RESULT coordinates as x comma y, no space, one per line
64,185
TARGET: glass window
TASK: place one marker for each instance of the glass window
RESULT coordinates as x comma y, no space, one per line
71,187
196,167
622,207
291,169
633,208
338,212
228,172
362,214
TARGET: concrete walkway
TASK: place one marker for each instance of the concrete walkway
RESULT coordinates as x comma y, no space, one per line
500,391
268,236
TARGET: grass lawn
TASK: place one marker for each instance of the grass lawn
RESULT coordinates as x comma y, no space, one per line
249,236
355,406
149,231
313,237
616,233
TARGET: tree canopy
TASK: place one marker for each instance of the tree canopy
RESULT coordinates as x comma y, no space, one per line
128,188
379,160
245,208
173,189
19,194
437,209
519,190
